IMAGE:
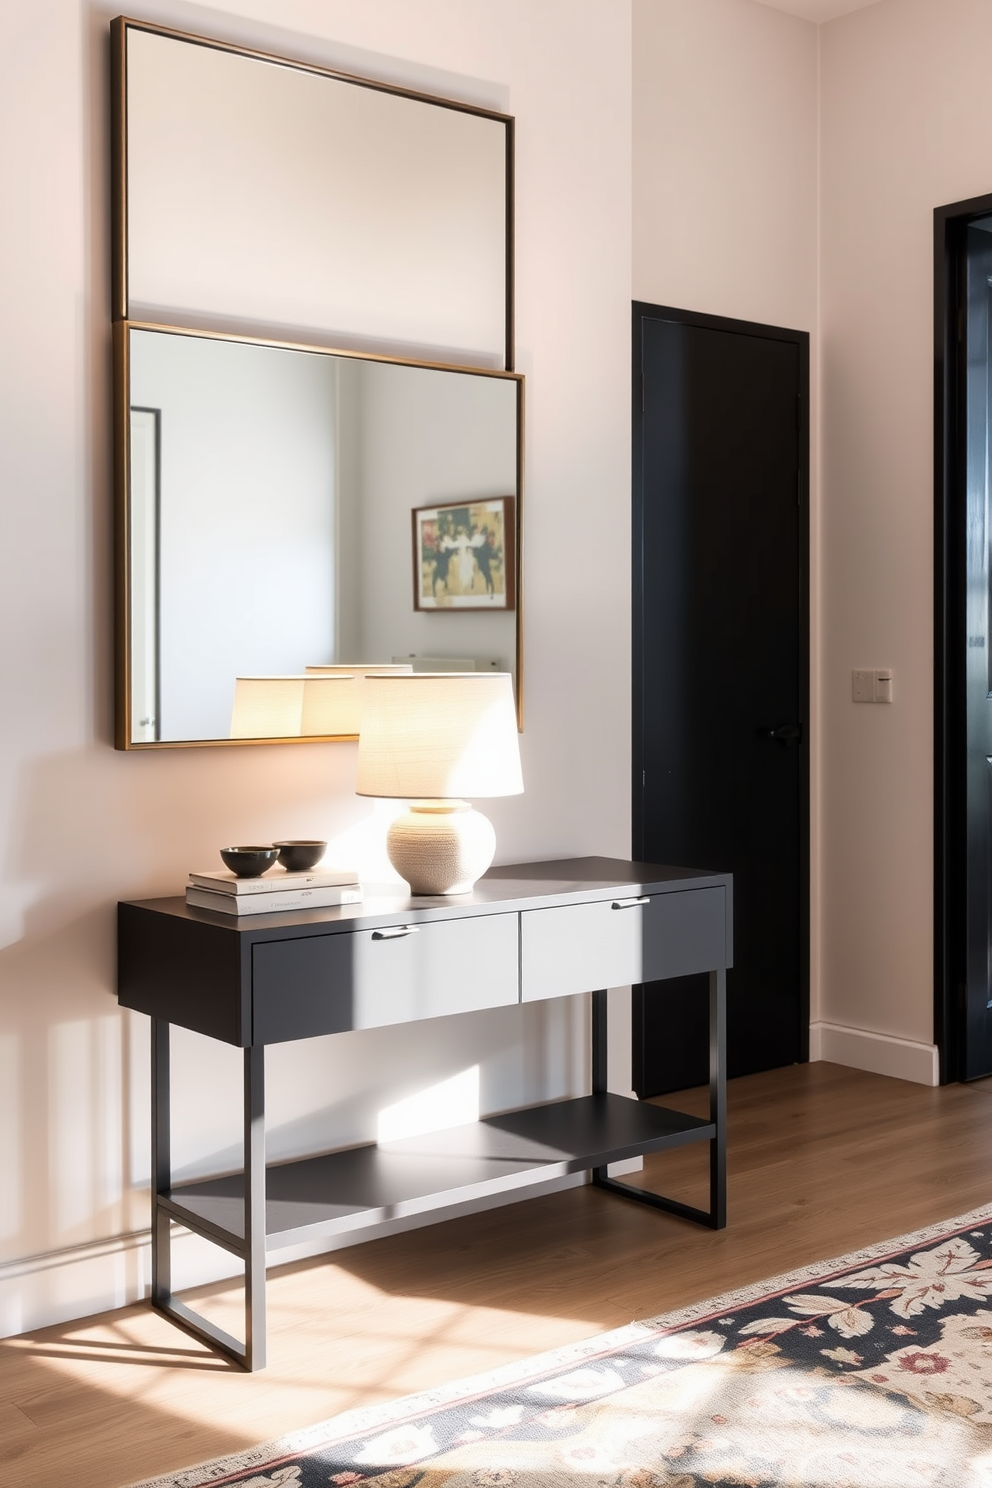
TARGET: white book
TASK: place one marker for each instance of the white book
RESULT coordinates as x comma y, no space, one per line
277,881
232,904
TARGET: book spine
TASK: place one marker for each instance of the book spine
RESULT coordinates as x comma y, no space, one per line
270,903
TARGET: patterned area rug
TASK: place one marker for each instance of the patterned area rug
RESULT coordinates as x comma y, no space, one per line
871,1371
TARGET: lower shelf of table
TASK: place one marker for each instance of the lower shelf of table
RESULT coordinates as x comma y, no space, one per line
342,1191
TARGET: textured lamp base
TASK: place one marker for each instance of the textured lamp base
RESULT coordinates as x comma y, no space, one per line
441,847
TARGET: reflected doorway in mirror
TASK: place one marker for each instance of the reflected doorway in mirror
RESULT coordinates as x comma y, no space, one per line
146,503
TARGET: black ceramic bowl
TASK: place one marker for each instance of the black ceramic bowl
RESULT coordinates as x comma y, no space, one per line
297,857
249,862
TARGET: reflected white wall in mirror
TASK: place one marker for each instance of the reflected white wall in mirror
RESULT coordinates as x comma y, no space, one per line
278,195
286,485
247,519
412,437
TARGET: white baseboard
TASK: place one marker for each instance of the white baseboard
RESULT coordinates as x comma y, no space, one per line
60,1285
878,1053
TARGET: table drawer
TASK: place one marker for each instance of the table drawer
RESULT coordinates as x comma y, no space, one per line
368,978
579,947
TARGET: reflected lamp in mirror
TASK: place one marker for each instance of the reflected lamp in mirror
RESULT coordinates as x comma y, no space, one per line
435,739
294,707
357,675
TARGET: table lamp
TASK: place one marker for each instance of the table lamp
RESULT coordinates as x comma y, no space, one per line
434,739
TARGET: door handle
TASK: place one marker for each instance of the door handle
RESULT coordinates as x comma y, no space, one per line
630,903
787,734
395,932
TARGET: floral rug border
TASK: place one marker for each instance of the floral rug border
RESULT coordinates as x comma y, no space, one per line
364,1419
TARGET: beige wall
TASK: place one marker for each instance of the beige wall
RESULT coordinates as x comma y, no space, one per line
725,159
81,826
906,128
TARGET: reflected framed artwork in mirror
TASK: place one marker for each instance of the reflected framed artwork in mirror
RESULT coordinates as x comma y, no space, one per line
464,556
264,499
258,194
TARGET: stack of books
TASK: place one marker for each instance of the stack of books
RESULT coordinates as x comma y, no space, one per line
277,890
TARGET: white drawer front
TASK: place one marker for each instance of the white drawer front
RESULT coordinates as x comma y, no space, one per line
581,947
446,966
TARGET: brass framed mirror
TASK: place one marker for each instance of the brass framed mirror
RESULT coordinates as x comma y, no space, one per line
283,510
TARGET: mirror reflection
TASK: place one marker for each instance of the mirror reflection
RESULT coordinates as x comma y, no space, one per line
291,510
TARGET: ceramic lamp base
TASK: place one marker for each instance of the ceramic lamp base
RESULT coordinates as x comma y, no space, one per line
441,847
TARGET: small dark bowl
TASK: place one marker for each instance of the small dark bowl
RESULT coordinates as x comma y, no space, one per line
297,857
249,862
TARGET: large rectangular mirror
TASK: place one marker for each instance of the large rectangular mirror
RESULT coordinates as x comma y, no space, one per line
283,508
254,191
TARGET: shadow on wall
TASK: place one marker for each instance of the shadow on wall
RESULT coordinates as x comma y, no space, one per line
329,1093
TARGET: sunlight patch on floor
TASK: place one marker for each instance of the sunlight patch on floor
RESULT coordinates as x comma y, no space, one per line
387,1345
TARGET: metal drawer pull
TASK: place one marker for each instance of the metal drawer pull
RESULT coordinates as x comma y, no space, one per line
630,903
395,931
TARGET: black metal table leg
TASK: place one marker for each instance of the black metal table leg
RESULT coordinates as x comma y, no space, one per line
600,1049
716,1216
251,1353
161,1163
718,1099
255,1207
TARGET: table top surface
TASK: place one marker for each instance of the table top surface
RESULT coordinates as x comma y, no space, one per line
505,888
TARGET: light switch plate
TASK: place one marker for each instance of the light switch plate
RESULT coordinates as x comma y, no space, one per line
863,686
873,686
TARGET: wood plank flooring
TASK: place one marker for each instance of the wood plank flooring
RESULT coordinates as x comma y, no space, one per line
822,1160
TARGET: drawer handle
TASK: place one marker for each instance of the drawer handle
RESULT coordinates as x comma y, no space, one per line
630,903
395,932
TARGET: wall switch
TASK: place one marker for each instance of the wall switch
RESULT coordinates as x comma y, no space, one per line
883,685
863,686
872,686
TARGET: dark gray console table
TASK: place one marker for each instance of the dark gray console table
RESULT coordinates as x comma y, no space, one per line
527,932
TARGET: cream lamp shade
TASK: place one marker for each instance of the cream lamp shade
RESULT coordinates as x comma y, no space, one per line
294,707
434,739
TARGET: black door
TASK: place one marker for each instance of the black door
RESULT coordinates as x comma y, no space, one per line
963,638
721,672
966,797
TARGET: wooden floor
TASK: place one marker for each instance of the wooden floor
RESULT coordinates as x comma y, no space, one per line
822,1160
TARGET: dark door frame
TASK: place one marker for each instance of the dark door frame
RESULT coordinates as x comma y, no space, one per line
950,722
644,311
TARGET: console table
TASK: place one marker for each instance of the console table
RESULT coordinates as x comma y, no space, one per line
527,932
